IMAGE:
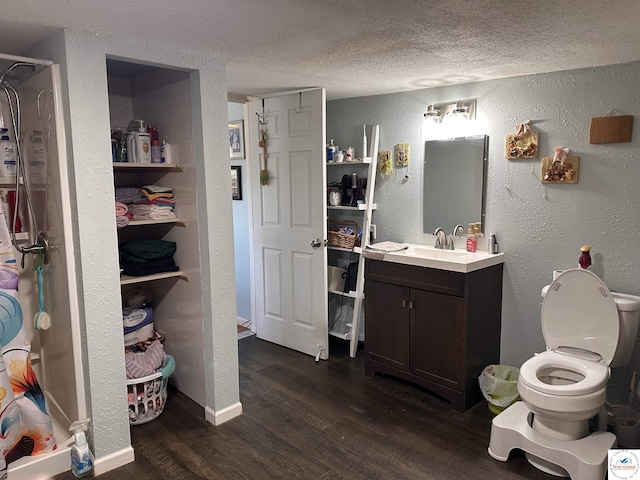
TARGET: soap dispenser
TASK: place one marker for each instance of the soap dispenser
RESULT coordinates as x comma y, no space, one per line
81,457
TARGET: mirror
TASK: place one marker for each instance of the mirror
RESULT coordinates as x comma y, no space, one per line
454,182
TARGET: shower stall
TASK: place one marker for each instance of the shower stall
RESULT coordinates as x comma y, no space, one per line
45,239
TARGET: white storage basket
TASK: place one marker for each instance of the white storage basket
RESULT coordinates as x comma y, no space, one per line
147,395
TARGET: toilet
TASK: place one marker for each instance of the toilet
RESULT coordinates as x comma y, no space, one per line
587,329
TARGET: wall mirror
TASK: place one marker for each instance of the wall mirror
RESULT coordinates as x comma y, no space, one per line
454,182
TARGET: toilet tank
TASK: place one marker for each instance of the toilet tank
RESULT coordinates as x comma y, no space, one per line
629,318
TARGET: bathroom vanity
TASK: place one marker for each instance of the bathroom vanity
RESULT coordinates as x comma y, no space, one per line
433,318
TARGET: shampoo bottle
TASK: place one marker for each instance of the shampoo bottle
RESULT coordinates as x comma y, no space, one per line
7,155
81,457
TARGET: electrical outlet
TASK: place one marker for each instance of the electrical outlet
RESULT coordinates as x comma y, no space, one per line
373,231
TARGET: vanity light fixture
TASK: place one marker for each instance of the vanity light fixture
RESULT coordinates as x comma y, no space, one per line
451,120
432,115
460,112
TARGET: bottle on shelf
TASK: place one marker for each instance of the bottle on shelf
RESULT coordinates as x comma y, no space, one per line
156,154
8,153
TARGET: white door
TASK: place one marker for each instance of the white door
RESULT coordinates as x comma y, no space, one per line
288,216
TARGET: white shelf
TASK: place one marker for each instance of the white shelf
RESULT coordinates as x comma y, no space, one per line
134,223
360,207
165,167
127,280
357,250
366,161
351,294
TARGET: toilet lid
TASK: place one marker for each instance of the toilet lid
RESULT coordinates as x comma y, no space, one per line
580,314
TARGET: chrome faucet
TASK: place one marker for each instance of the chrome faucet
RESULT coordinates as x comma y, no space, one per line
454,233
441,238
456,229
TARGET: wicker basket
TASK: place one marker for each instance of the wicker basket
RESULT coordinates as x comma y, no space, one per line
342,240
148,395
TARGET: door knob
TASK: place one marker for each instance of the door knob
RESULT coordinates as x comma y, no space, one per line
316,243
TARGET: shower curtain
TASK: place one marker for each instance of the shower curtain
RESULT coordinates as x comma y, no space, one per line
25,425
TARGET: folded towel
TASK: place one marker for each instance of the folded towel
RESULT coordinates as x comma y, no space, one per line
138,268
121,209
126,194
122,221
149,249
157,189
376,251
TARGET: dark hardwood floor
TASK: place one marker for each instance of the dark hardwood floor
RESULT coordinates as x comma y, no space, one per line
318,421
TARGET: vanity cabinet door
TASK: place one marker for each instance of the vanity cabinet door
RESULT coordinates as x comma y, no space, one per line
387,324
438,338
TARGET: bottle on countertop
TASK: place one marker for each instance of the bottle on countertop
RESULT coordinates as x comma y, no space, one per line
492,245
471,238
585,258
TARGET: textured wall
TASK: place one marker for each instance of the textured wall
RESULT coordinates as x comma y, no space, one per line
540,228
87,116
241,234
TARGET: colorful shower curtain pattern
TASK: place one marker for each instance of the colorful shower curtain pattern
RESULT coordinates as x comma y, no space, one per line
25,425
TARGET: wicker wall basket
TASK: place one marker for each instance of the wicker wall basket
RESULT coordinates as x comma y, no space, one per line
342,240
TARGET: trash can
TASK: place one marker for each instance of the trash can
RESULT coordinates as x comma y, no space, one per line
499,385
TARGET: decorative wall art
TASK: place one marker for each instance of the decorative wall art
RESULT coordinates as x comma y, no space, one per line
236,183
611,129
384,160
402,155
561,168
523,143
236,140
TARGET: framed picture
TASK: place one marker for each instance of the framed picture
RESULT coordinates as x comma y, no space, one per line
236,140
236,183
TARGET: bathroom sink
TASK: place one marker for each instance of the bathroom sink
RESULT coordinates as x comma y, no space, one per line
452,260
436,253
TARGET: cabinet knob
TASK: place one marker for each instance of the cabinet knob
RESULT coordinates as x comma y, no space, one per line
404,304
410,305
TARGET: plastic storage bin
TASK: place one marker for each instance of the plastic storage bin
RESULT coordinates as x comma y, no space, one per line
147,395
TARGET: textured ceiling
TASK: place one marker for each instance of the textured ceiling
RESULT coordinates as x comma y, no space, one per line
353,47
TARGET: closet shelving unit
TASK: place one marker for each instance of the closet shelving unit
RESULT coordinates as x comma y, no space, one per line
351,329
162,97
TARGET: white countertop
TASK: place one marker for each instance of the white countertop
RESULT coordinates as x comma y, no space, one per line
452,260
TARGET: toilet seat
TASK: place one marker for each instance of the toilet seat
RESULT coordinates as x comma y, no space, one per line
579,312
595,374
580,327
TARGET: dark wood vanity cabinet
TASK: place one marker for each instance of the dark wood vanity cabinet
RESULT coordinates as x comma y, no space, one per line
435,328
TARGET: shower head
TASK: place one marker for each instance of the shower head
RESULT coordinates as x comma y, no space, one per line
14,66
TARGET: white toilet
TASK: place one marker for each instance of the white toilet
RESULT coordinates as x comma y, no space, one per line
586,329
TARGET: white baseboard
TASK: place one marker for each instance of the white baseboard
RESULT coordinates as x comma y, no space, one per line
113,460
223,415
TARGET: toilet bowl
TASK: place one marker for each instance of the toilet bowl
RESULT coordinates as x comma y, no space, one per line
585,328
